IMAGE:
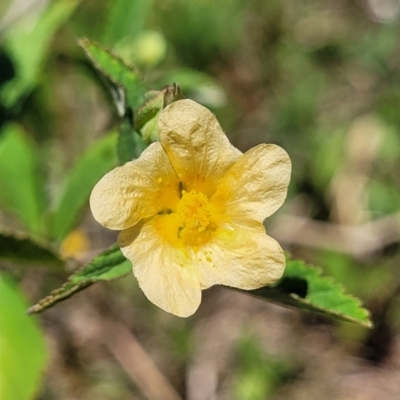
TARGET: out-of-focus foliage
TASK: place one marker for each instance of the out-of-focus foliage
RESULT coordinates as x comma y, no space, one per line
23,188
22,191
88,169
22,349
257,374
24,251
26,45
322,79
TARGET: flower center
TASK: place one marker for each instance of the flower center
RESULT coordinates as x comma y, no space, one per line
194,211
191,224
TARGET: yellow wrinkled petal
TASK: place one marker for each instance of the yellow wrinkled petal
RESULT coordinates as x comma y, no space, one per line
256,185
241,258
198,149
165,273
136,190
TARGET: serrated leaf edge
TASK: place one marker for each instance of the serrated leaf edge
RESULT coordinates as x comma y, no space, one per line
54,297
83,42
341,288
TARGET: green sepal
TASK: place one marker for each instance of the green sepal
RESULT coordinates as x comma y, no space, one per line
109,265
146,117
303,287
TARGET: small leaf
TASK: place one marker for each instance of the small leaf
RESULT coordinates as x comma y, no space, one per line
94,163
24,250
109,265
22,346
302,286
126,86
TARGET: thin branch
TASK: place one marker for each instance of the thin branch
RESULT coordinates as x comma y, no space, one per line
358,240
136,362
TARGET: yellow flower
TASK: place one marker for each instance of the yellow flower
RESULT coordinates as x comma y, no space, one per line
191,210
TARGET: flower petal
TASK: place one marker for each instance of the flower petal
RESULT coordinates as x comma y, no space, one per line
136,190
196,144
256,185
165,273
241,258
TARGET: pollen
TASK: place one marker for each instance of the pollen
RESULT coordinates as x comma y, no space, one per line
191,223
195,215
194,210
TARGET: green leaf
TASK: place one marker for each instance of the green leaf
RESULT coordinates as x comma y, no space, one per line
109,265
126,87
23,250
22,347
303,287
21,189
27,43
95,162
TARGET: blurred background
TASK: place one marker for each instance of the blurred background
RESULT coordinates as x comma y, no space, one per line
321,79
